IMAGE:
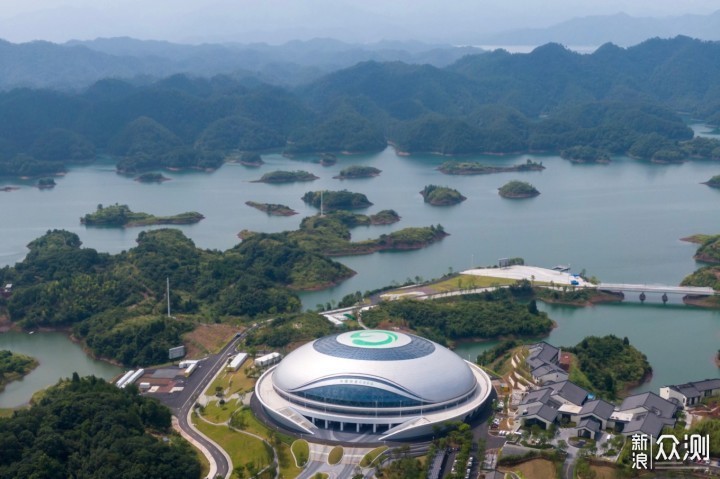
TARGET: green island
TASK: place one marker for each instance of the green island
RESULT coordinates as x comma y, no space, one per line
151,178
357,171
517,190
477,168
585,154
251,159
52,437
713,182
46,183
441,195
14,366
709,249
122,216
272,209
336,200
116,304
286,177
330,235
384,217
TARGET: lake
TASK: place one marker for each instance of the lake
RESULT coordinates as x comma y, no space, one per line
621,222
58,357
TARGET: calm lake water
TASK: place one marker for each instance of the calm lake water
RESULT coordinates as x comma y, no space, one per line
621,222
58,357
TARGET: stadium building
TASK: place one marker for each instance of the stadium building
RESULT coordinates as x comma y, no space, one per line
395,385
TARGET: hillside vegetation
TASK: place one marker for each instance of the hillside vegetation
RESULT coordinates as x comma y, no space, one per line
116,303
617,101
482,316
89,428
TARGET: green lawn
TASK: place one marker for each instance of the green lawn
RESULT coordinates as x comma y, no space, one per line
301,451
220,413
368,458
241,448
233,382
335,455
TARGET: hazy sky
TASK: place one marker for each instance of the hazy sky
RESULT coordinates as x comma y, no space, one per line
276,21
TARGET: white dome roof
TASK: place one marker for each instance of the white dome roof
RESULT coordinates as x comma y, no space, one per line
419,367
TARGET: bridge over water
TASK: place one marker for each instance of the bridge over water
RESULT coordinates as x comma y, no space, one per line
654,291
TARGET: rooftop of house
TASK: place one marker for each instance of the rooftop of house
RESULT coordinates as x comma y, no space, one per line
651,402
647,423
598,408
569,391
696,388
590,423
544,351
542,411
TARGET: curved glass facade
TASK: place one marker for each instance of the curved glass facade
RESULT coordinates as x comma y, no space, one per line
357,395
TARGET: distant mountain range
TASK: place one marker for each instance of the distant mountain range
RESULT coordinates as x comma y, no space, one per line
620,29
78,64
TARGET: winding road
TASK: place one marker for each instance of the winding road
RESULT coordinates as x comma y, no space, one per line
220,463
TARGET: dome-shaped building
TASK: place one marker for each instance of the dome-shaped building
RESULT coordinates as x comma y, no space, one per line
393,384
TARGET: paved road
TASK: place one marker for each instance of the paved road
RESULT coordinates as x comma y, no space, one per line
182,403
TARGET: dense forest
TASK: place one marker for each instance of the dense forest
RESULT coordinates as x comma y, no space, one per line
91,429
116,302
617,101
608,365
482,316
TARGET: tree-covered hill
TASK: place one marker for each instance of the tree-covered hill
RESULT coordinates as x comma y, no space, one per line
621,101
92,429
116,302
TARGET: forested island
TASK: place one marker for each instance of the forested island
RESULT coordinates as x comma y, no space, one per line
272,209
87,427
477,168
356,171
585,154
336,200
441,195
151,178
518,190
116,304
330,235
328,159
467,107
14,366
713,182
280,176
121,216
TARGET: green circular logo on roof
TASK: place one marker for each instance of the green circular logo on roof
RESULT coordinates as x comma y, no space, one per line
373,339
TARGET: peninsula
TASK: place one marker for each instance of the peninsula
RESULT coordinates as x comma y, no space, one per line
280,176
476,168
251,159
441,195
151,178
356,171
518,190
585,154
46,183
713,182
14,366
272,209
121,216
